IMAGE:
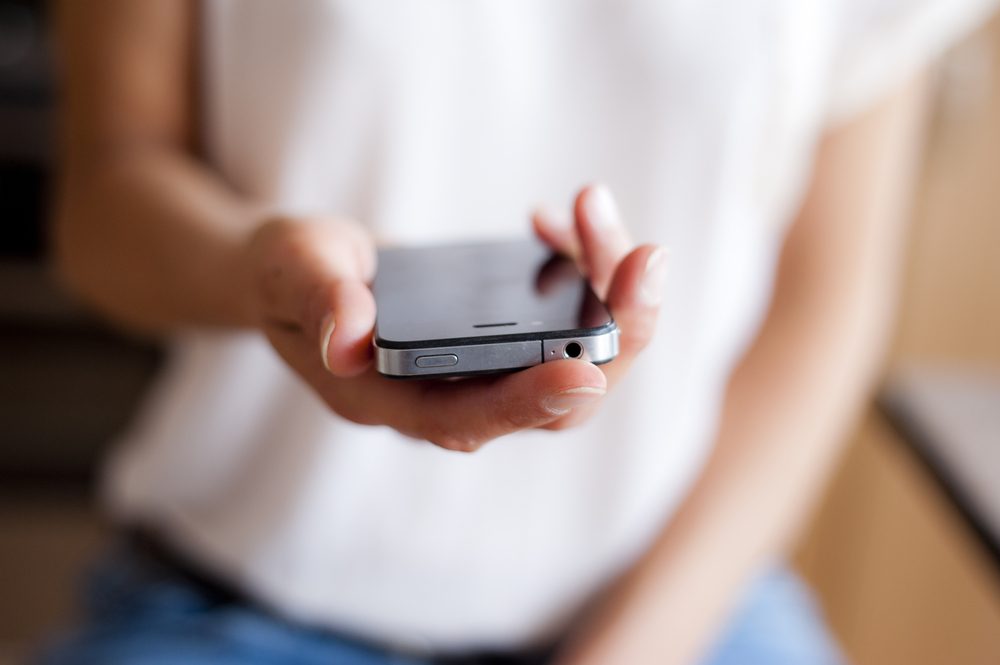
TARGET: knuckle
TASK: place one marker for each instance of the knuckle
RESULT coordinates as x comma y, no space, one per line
448,437
455,442
467,446
559,425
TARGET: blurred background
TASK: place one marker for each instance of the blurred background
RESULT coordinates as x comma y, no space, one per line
904,550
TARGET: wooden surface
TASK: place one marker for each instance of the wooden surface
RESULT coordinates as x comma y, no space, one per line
902,580
951,420
46,540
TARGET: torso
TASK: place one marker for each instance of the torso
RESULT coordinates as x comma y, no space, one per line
446,120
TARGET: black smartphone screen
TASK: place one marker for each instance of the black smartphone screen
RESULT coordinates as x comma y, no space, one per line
475,293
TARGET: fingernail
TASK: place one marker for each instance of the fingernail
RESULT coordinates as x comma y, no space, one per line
601,208
326,333
652,286
564,402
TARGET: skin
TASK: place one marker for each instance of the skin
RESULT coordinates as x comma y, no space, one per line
204,255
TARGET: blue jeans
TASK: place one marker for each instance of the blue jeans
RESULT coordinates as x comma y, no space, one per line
140,612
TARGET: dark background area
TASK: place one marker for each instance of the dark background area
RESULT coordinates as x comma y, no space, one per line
67,383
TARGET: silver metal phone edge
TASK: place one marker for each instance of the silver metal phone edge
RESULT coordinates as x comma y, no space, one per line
496,356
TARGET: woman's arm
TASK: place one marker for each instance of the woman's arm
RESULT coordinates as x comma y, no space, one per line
152,236
789,403
143,230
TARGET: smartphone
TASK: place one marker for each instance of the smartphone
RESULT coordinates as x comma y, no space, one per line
454,310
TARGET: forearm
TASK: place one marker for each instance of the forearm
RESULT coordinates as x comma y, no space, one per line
787,405
143,229
773,452
154,239
780,431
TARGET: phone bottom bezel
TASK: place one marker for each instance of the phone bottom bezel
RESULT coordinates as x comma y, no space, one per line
493,357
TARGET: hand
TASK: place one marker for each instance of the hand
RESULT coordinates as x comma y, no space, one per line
629,280
311,298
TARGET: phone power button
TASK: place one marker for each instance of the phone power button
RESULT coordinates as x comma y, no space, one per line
443,360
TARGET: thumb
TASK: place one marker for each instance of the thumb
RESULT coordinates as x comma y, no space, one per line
464,415
344,319
310,281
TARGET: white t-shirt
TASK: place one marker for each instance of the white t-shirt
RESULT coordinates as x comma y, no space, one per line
450,119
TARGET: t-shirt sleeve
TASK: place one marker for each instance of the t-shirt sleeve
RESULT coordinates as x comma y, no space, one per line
880,43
